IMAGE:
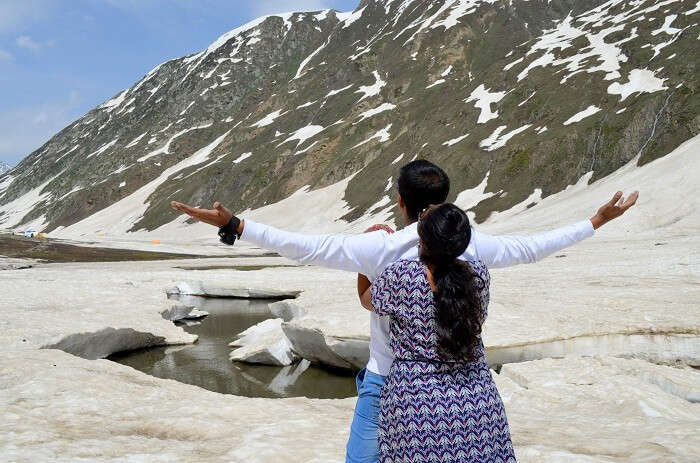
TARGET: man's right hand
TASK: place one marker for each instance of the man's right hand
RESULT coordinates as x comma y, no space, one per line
219,216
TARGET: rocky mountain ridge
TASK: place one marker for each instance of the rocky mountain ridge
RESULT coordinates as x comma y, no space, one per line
516,99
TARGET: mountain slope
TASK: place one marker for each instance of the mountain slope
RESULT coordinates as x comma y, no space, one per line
515,99
4,168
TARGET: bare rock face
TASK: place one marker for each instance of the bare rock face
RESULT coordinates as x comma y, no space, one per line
534,94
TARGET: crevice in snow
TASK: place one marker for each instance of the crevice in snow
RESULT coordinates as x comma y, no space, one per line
663,348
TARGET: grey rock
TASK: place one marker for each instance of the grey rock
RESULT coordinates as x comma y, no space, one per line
177,312
313,345
286,310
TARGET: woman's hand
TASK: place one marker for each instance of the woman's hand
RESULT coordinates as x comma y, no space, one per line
219,216
363,283
613,208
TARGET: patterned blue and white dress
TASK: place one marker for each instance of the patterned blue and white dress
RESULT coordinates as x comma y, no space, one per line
432,408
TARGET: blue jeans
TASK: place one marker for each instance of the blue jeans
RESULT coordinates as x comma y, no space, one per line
363,446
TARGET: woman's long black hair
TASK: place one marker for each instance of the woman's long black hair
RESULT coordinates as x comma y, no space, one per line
445,233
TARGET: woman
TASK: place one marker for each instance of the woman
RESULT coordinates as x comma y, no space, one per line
440,402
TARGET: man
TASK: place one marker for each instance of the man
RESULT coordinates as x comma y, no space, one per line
420,184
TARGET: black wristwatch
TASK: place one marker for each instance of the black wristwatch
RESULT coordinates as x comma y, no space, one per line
229,232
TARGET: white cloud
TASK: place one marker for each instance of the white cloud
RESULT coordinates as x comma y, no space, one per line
24,41
28,43
16,14
24,129
5,56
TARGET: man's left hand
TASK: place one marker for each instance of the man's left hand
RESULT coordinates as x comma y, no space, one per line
614,208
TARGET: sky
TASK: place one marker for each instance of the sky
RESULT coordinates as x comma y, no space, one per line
61,58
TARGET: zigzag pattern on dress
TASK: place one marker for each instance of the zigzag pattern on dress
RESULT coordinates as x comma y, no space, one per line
434,409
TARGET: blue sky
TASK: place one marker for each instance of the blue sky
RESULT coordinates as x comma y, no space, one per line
60,58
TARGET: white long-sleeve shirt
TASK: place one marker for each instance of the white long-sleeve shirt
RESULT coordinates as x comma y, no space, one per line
370,253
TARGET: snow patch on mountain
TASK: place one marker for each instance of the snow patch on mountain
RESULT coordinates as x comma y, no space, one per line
350,17
304,133
242,157
436,83
103,148
335,92
640,80
371,90
306,61
579,116
454,141
269,119
666,27
609,54
165,149
136,140
383,136
484,98
458,9
373,112
496,140
307,104
6,182
115,102
473,196
12,213
122,215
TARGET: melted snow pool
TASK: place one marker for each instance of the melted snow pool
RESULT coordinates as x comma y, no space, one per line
206,363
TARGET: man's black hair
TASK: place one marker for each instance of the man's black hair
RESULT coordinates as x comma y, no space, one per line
422,183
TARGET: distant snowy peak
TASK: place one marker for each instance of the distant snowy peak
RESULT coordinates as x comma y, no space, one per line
239,40
4,168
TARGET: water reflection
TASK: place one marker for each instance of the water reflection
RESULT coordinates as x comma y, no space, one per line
206,363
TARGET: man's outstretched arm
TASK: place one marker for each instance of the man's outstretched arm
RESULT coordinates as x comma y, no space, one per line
363,253
505,251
